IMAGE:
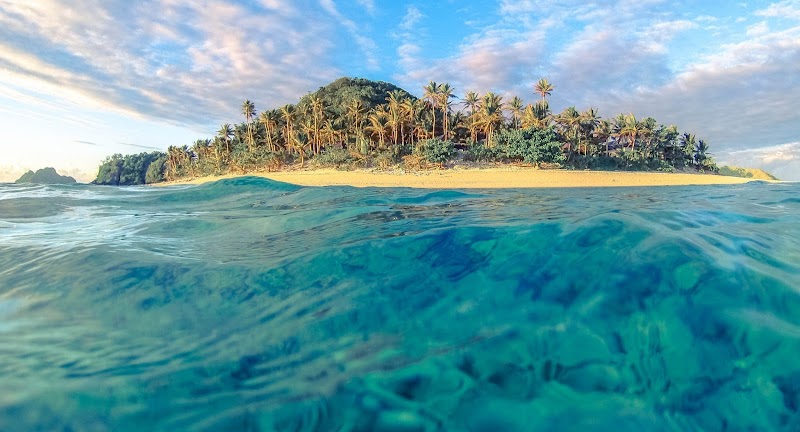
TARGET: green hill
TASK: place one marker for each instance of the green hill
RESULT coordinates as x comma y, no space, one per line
753,173
45,176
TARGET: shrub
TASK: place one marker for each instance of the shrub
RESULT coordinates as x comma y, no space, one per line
334,157
437,151
479,152
530,145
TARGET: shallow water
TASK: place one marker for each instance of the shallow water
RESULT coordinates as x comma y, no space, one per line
254,305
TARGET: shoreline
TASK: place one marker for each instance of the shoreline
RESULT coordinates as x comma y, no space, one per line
476,178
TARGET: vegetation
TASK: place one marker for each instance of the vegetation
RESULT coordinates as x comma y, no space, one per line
45,176
746,173
135,169
362,123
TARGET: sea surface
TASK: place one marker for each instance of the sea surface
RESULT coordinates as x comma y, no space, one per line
253,305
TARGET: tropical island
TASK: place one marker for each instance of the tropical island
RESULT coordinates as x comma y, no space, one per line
359,124
45,176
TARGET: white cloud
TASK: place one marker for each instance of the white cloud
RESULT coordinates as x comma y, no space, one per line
177,60
783,161
411,18
789,9
758,29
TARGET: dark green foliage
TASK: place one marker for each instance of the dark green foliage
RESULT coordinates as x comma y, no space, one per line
479,152
45,176
338,94
356,122
155,172
334,157
530,145
437,151
126,170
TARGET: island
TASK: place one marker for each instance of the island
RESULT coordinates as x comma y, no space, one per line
45,176
365,133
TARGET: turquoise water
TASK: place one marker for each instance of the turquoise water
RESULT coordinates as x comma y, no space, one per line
251,305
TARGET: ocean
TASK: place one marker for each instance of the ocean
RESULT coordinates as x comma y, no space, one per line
253,305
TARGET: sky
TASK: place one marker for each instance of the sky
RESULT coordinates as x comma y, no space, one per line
83,79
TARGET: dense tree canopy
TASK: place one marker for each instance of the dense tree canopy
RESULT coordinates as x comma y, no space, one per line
135,169
358,122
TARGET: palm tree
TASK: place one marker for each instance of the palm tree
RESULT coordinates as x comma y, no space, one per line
432,96
602,132
515,108
289,114
377,126
267,119
491,115
226,132
633,129
700,154
472,101
395,114
544,88
355,112
318,112
569,122
249,111
537,115
298,142
445,94
588,122
411,110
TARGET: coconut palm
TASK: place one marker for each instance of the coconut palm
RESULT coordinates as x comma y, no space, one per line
491,115
249,111
356,111
225,132
515,108
445,94
472,101
537,115
432,96
318,113
588,122
569,123
289,115
633,129
544,88
378,125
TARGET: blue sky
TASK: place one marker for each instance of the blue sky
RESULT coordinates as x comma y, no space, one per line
82,79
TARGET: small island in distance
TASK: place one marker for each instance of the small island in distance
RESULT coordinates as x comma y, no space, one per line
359,124
45,176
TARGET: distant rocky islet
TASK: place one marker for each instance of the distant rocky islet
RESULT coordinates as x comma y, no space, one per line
45,176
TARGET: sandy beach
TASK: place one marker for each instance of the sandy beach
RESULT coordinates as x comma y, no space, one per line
505,177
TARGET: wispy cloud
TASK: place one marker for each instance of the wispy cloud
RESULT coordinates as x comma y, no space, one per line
174,54
139,146
89,143
368,47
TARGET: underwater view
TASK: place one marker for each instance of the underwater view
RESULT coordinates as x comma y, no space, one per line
254,305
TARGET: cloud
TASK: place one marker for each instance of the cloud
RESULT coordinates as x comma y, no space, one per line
181,61
89,143
758,29
783,161
411,18
368,5
789,9
368,47
139,146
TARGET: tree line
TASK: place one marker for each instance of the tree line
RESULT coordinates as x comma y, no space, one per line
358,122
